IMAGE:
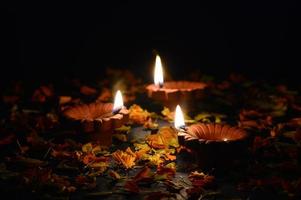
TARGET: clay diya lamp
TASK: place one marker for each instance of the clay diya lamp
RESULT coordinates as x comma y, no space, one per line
99,120
173,92
216,146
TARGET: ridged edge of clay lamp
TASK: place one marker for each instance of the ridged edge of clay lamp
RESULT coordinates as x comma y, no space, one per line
174,92
97,120
216,145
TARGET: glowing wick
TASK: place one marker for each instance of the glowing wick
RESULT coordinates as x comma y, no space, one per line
179,119
158,76
118,102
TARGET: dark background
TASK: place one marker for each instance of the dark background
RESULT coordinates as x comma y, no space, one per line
46,41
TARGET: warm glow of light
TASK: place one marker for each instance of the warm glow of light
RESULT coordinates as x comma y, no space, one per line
118,102
158,76
179,118
225,139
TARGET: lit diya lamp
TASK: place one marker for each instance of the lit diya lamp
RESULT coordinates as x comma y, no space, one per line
98,119
216,145
172,93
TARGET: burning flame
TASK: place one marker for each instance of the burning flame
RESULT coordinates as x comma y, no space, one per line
158,76
118,102
179,118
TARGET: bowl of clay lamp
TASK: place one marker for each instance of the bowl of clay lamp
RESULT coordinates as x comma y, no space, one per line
172,93
98,120
215,146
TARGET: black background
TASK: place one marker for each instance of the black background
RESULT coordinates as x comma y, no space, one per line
51,41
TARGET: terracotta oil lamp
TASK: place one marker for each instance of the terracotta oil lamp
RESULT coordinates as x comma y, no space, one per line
216,145
99,120
172,93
